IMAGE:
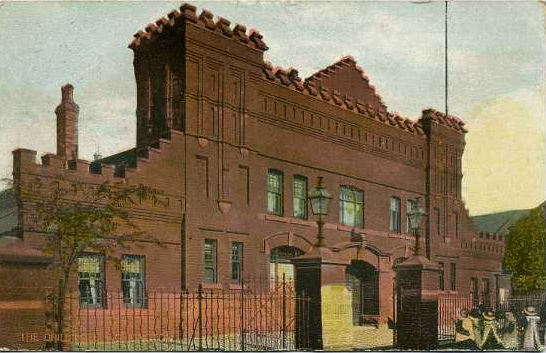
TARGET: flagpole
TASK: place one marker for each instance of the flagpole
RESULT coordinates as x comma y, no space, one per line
445,58
446,86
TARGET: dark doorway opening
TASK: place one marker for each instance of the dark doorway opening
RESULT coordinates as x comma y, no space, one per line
363,281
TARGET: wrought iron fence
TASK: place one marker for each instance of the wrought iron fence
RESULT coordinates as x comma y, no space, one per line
449,308
517,303
200,320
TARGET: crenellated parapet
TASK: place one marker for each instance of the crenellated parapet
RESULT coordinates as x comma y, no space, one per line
449,121
151,171
187,12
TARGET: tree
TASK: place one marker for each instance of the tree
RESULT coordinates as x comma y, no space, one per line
78,217
526,251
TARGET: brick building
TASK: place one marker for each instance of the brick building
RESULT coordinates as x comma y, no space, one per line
235,145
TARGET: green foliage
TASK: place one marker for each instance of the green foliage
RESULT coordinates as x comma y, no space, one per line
525,252
77,217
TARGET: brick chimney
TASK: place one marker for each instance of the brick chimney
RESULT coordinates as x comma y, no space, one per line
67,124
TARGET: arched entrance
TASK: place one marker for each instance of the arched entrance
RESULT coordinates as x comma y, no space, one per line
363,281
280,264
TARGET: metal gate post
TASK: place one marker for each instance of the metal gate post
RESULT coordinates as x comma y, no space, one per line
242,314
283,312
394,306
199,317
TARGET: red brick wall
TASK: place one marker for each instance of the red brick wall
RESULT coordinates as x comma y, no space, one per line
238,117
22,305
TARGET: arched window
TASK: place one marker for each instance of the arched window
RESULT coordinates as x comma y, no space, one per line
280,264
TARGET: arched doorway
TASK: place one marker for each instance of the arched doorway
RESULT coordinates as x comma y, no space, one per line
280,264
363,281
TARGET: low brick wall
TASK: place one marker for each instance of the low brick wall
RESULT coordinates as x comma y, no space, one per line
23,283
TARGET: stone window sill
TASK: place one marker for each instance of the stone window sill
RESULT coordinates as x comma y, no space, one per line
206,285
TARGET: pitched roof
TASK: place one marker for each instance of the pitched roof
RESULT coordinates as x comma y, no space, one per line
8,212
127,158
346,77
289,78
498,223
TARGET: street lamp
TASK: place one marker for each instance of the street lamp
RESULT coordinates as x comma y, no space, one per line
415,217
320,199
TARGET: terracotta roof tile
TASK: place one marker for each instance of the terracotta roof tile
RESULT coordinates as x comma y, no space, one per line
336,97
310,87
325,94
349,103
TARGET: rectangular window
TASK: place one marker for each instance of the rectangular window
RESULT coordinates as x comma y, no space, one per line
274,192
441,277
394,214
437,214
351,205
91,280
132,280
409,205
453,276
300,197
486,292
456,224
236,260
209,254
474,292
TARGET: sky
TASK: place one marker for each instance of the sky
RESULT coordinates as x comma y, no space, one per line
496,67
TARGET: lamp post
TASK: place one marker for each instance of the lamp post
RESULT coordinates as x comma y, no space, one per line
415,217
320,200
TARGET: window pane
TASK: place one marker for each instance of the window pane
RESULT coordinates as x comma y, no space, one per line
274,181
300,187
236,260
351,206
209,260
90,279
132,267
300,197
358,215
409,205
441,277
274,192
453,276
394,223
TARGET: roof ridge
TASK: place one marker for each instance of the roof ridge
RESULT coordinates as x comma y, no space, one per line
346,60
288,78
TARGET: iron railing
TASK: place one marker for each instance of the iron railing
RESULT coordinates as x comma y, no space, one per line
449,309
450,306
199,320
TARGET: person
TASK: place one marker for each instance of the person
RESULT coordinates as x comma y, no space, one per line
531,341
509,333
490,338
543,323
475,317
464,332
